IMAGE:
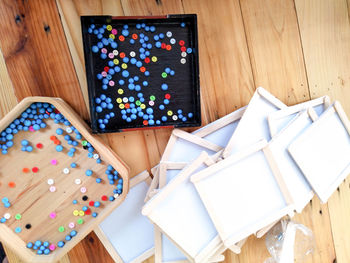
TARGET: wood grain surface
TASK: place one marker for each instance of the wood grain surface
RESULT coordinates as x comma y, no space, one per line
296,49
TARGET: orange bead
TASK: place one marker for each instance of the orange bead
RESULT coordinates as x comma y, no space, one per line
122,55
168,47
53,137
127,105
121,38
134,36
142,69
25,170
145,122
12,184
57,142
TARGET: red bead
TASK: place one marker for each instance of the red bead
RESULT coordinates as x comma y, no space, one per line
35,169
91,203
145,122
181,42
183,49
167,96
39,145
88,212
104,198
147,60
163,45
106,69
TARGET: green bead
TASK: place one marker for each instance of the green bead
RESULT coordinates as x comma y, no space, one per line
61,229
138,103
84,143
152,97
80,221
164,75
18,216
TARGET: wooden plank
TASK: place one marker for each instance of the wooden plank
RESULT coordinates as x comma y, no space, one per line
7,95
325,34
278,63
275,50
36,52
225,70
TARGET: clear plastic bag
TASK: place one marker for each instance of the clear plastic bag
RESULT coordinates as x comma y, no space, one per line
288,242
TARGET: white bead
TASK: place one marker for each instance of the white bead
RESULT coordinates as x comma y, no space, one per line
96,156
77,181
172,41
7,216
69,130
66,171
50,181
169,34
125,99
183,54
174,117
115,195
132,54
115,52
183,61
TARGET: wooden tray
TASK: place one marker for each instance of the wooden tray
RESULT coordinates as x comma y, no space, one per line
31,197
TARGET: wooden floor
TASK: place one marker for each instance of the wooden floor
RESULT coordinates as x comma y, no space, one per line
298,50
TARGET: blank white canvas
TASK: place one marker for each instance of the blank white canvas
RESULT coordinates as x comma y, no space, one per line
186,151
253,125
323,153
130,233
299,188
241,197
182,216
280,119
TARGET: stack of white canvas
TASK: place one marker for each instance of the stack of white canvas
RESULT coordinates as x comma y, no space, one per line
235,177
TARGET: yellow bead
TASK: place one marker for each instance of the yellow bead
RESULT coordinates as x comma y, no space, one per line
170,113
154,59
75,212
81,213
112,36
121,106
119,100
142,106
109,28
120,91
124,66
116,61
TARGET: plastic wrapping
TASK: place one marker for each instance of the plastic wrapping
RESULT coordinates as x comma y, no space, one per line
289,242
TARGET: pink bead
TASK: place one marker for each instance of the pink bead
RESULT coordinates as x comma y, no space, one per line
104,73
31,128
103,50
114,31
111,55
53,161
52,247
111,83
53,215
71,225
52,189
83,190
151,102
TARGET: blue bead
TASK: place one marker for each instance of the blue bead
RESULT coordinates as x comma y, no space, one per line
138,26
172,73
59,131
145,83
73,233
29,245
94,214
47,251
4,200
138,64
142,56
133,60
156,37
103,56
100,45
88,172
24,142
151,122
75,202
94,49
46,244
110,63
125,32
114,45
152,28
119,186
164,118
147,73
29,148
184,119
166,101
125,59
157,122
3,220
60,244
98,180
161,35
7,205
38,243
149,46
97,204
136,78
121,82
189,50
190,115
111,198
42,248
59,148
147,28
137,87
164,86
182,24
39,252
167,70
149,110
125,73
132,41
